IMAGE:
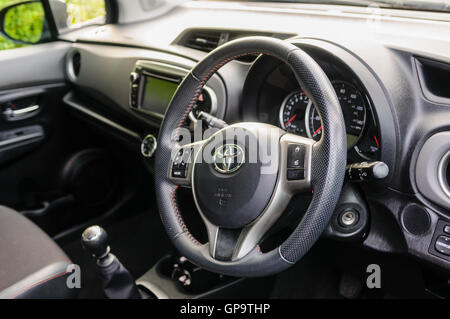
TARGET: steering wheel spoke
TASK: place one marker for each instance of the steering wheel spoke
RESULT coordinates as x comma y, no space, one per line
296,163
222,242
181,163
296,154
232,244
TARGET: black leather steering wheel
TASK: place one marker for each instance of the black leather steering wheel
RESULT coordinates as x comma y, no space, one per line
237,200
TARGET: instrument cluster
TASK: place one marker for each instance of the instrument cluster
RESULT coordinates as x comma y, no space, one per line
284,103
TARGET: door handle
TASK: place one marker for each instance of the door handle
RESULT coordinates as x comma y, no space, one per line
13,115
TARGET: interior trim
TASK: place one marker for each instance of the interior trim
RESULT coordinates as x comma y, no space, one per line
68,101
22,138
432,158
442,172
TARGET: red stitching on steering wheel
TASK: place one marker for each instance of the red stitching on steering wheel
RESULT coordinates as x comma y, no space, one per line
180,123
203,82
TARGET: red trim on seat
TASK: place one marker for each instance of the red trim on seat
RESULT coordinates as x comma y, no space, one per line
39,283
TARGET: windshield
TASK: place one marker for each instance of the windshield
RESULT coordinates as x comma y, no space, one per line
425,5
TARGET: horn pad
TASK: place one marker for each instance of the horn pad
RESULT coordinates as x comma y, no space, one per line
235,185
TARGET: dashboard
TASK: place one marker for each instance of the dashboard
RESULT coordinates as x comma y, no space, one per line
392,81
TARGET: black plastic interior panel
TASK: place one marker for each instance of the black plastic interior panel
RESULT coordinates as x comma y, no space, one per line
15,142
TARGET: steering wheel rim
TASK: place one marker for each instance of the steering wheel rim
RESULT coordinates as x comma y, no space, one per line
326,170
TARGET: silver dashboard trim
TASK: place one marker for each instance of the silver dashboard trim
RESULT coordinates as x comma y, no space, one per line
154,289
154,146
442,172
429,175
21,138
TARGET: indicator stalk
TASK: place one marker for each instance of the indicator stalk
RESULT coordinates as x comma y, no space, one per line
366,171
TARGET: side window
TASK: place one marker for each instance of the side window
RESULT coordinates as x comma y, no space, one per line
71,14
24,23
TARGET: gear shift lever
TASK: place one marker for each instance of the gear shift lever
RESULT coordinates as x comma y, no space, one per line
95,240
117,282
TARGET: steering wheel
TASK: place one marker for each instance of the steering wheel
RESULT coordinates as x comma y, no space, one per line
239,190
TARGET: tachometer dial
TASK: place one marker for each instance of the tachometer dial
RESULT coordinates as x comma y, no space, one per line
313,123
369,146
292,112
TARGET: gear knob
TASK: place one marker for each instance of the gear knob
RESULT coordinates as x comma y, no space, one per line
116,280
95,240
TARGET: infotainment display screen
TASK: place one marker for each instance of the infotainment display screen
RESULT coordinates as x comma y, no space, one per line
157,94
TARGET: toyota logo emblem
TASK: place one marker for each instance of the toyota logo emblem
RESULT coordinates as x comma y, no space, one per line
228,158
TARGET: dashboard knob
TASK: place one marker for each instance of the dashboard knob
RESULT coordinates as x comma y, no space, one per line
148,145
134,76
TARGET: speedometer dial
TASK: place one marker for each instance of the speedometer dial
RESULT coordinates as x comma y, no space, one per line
292,112
353,108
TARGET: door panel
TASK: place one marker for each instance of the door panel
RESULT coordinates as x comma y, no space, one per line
31,85
54,168
33,65
37,135
19,132
31,166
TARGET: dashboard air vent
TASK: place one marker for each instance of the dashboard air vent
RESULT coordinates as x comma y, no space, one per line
73,64
76,63
207,40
